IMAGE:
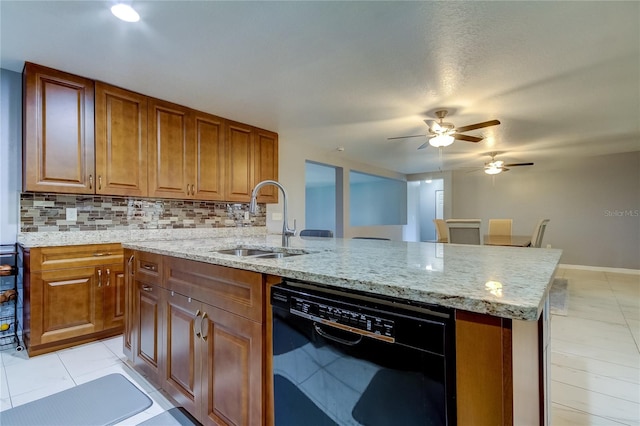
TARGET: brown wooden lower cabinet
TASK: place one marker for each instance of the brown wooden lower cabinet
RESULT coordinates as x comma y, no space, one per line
500,370
202,332
209,359
73,295
147,351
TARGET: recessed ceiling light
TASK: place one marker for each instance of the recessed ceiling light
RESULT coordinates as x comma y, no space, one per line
125,12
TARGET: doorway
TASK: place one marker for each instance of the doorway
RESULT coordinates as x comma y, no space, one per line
425,202
323,197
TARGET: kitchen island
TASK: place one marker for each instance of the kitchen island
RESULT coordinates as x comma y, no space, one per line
499,295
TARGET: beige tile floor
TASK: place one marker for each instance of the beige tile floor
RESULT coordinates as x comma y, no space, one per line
24,379
595,360
595,351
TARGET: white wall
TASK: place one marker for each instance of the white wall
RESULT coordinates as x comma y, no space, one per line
292,175
10,154
593,204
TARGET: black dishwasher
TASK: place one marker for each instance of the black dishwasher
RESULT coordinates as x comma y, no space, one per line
353,359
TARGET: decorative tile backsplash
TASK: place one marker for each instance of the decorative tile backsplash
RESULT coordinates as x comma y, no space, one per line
47,212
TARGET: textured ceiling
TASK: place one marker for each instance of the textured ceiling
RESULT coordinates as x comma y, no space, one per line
562,77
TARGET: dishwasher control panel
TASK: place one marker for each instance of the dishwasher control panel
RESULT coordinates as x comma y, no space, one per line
350,320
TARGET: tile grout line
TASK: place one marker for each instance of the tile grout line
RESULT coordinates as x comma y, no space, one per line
589,414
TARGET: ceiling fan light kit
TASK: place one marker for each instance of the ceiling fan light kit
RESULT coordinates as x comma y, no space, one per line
494,166
440,141
443,134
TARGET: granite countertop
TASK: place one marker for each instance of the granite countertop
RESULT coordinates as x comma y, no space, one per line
508,282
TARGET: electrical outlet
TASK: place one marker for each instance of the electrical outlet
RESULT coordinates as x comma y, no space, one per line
72,214
276,216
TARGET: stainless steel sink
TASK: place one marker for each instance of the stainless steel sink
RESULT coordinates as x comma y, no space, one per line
244,252
276,253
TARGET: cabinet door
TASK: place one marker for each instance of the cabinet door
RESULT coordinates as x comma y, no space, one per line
266,164
113,295
169,150
63,305
239,162
121,141
129,297
182,370
208,157
232,394
58,139
148,355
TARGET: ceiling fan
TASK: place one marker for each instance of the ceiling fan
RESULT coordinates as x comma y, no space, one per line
443,134
494,166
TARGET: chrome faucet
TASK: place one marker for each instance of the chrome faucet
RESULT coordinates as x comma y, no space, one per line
286,232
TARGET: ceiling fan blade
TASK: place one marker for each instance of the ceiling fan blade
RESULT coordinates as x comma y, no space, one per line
404,137
430,123
467,138
518,164
477,126
424,145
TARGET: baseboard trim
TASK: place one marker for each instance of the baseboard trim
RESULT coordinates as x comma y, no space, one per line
601,269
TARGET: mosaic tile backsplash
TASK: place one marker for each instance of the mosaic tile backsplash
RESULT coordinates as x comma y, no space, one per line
47,212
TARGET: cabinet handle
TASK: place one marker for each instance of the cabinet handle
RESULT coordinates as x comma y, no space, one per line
99,277
204,321
187,189
90,181
195,321
193,190
130,263
108,277
103,254
99,182
148,266
147,288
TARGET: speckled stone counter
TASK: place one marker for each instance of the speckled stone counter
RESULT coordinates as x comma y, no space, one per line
508,282
49,239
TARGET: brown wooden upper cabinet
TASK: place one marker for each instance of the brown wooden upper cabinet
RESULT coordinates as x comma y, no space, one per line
169,150
186,153
58,140
121,141
144,147
208,157
266,164
252,157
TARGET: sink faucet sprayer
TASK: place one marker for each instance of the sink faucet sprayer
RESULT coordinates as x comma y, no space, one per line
286,232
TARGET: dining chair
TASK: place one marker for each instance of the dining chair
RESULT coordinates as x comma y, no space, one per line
464,231
325,233
441,230
538,233
500,227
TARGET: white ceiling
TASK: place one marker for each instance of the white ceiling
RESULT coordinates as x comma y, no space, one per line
562,77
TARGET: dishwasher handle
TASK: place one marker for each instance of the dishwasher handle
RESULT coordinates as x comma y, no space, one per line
340,340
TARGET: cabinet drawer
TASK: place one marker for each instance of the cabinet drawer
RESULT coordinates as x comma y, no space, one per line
147,267
52,258
234,290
